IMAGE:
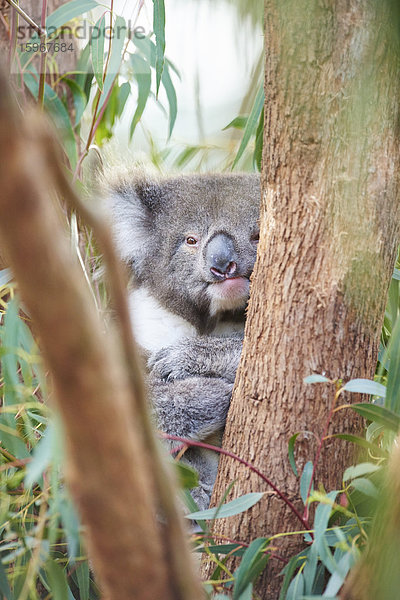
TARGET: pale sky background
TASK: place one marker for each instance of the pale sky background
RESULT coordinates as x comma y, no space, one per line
205,39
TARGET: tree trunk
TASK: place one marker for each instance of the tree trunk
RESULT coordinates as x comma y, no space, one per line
135,537
329,234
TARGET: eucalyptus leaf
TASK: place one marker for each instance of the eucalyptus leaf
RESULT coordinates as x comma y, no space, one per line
251,124
159,31
316,379
252,564
360,470
365,386
69,11
305,481
380,414
57,580
142,73
234,507
97,50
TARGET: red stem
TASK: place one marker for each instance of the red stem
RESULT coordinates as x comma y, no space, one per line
282,496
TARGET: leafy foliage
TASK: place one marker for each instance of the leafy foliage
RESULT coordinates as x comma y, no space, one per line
42,553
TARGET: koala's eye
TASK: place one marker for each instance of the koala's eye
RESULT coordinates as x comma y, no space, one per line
255,237
191,241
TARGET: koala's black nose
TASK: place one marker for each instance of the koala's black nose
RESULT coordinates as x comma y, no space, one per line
221,257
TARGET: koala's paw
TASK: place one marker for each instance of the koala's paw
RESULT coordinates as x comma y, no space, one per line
169,363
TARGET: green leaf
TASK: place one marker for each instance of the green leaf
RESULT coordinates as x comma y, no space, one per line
57,580
187,155
83,577
188,477
237,123
142,74
171,97
116,56
79,96
159,30
257,156
380,414
97,50
306,480
234,507
360,470
84,69
69,11
393,380
148,49
251,565
291,444
4,585
316,379
231,549
365,486
296,588
123,94
251,124
294,563
337,579
361,442
365,386
42,457
322,514
5,277
58,114
247,593
70,520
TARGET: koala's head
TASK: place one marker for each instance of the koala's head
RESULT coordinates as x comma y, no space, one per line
191,241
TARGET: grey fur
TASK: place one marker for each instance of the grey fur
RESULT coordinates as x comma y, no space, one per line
198,292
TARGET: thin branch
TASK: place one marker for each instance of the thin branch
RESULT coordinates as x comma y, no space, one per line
43,55
282,496
26,17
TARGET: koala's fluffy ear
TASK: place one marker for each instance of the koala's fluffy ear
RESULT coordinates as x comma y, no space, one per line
134,202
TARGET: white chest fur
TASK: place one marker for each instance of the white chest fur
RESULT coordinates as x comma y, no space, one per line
155,327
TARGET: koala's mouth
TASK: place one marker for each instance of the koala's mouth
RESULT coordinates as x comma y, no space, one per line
230,293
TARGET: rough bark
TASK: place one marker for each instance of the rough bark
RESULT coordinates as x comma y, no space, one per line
136,542
329,234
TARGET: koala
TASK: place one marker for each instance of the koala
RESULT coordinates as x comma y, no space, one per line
190,242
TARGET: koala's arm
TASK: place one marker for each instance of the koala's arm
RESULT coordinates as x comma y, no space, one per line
195,407
201,357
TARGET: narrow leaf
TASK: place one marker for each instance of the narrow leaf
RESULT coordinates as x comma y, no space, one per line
237,123
97,50
234,507
291,444
306,480
159,31
142,73
57,580
251,124
251,565
365,386
360,470
375,449
58,114
316,379
365,486
171,97
69,11
79,96
116,56
380,414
